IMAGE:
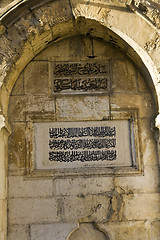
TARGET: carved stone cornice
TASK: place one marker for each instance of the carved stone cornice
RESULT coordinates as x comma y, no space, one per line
148,9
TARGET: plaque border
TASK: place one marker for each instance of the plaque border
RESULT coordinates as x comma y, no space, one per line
67,93
122,114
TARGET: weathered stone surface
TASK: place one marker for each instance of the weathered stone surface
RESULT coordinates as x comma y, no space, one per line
123,198
54,13
58,231
142,83
89,9
32,210
19,232
25,188
90,199
82,108
18,88
104,51
3,221
147,183
134,230
124,76
83,186
87,231
142,102
36,78
155,230
148,145
85,208
141,206
3,186
17,147
22,104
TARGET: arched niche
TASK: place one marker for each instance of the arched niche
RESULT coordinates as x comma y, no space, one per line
35,30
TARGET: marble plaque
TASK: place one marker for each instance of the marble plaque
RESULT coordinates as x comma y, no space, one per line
80,77
72,145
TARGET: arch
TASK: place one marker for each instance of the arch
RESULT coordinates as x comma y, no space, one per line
27,27
32,27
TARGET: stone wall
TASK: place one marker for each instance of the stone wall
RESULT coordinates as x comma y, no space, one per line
117,205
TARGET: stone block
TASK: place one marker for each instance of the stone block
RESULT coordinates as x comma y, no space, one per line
124,76
18,88
22,104
142,83
143,102
141,206
91,208
83,186
81,108
90,10
18,38
4,99
59,51
3,185
32,210
36,78
125,230
17,147
18,232
25,188
3,215
56,231
148,144
155,230
54,13
70,49
147,183
88,231
104,51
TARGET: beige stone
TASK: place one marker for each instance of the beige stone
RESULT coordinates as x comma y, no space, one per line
36,78
86,208
87,231
25,188
30,27
147,183
32,210
3,185
3,218
82,108
23,104
148,144
82,186
56,231
17,147
134,230
155,230
142,83
19,232
124,76
143,103
18,88
141,206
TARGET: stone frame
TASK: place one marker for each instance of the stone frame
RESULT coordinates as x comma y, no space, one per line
122,114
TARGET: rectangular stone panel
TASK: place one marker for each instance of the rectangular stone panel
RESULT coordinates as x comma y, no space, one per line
79,77
88,144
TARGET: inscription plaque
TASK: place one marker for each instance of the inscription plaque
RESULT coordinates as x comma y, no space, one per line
79,77
82,144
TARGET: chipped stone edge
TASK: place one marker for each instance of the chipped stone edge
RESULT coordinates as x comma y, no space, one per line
4,124
134,7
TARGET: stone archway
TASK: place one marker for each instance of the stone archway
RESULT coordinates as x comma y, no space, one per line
28,28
